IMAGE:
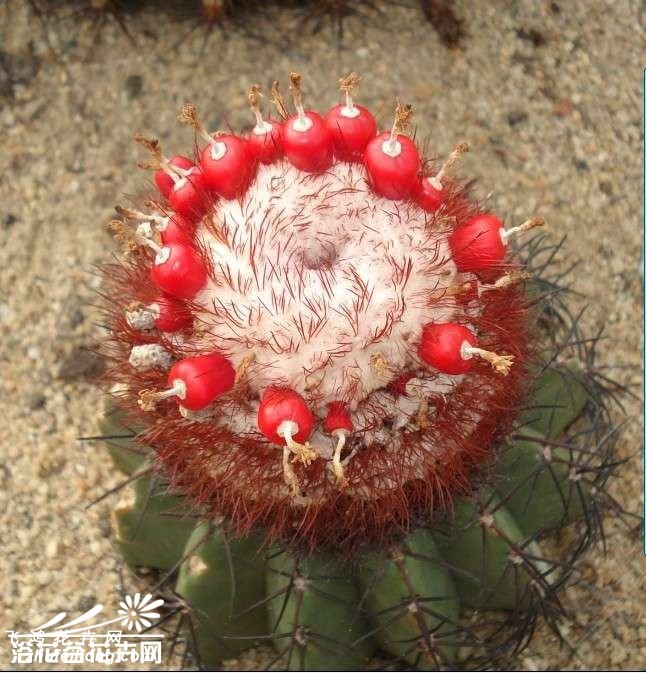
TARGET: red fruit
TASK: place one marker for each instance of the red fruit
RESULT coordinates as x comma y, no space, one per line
177,229
204,377
173,315
338,417
427,197
478,245
266,143
281,405
227,166
441,347
430,193
392,176
179,271
308,145
164,181
352,129
188,196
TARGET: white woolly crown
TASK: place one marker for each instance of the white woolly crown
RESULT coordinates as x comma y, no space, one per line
325,285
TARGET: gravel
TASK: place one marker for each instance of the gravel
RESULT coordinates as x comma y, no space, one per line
548,97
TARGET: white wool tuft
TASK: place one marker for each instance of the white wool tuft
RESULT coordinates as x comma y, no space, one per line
143,318
150,356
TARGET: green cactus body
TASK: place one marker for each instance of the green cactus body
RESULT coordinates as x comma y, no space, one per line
150,529
482,550
539,479
412,601
557,400
539,483
314,614
223,583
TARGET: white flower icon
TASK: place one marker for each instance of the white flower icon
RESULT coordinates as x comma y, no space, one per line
137,611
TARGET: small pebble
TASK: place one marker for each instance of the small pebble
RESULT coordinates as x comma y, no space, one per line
53,548
134,85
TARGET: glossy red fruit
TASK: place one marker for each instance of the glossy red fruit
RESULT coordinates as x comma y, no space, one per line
172,316
283,404
310,150
427,197
227,166
441,347
338,417
188,196
352,129
180,272
478,245
164,181
205,378
177,229
266,145
393,177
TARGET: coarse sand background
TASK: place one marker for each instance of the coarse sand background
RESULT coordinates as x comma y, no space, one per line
546,94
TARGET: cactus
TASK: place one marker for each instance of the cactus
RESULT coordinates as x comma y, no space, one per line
349,409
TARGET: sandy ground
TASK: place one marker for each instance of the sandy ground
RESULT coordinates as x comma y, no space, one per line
554,127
